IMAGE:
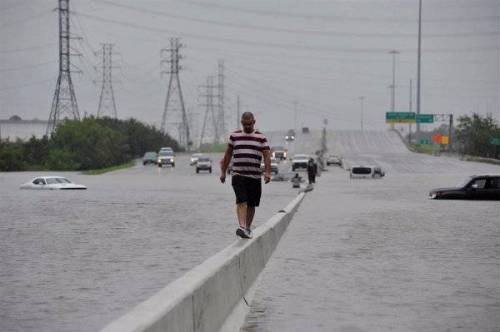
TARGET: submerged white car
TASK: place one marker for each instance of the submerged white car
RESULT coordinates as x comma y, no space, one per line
52,183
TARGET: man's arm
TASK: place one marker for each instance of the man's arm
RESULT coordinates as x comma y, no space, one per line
267,165
225,162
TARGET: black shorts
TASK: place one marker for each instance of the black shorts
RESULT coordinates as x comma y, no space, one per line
247,190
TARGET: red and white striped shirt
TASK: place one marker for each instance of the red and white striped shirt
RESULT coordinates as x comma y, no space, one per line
247,152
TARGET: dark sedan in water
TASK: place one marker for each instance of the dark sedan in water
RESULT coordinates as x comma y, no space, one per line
485,187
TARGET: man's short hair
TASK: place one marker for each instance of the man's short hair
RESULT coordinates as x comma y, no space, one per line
247,116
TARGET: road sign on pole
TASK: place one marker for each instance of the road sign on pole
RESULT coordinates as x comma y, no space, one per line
424,118
495,141
400,117
425,141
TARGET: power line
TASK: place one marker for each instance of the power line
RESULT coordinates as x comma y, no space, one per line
157,12
250,43
15,87
15,50
64,100
26,19
18,4
107,102
335,18
174,88
3,70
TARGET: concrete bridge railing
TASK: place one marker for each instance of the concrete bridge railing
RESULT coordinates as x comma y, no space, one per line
204,298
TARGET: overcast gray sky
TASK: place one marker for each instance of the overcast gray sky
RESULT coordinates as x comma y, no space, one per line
322,54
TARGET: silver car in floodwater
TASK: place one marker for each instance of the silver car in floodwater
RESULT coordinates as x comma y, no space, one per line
52,183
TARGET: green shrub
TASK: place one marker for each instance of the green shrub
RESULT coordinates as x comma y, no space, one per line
11,157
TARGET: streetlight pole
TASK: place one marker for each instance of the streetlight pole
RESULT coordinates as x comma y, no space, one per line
410,110
418,61
295,116
362,99
393,86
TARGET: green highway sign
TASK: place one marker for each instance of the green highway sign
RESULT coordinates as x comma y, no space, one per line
400,117
425,142
495,141
425,118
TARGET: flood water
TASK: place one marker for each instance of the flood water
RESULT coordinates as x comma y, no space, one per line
378,255
76,260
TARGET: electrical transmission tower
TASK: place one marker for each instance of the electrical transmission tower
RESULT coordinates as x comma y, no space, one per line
210,115
107,103
64,101
221,130
174,89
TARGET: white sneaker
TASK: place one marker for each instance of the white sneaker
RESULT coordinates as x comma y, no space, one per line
248,233
242,232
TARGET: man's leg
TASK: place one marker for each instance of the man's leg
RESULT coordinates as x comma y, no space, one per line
242,213
249,216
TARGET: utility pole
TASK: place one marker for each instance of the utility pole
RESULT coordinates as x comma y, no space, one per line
450,131
220,96
393,85
107,99
410,110
295,104
418,62
64,100
174,88
209,110
362,100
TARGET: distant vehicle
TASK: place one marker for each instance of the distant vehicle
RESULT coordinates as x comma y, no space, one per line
481,187
278,152
52,183
274,166
366,172
194,158
290,135
300,161
166,158
334,160
305,130
204,164
167,148
150,157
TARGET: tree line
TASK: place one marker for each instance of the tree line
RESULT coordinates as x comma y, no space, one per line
474,136
91,143
471,136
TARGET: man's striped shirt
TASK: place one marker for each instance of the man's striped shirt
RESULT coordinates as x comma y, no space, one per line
247,152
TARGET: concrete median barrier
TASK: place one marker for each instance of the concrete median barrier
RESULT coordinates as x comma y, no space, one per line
208,295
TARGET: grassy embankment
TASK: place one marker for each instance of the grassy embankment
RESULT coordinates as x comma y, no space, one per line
108,169
421,148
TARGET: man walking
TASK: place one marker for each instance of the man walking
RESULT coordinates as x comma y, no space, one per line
246,147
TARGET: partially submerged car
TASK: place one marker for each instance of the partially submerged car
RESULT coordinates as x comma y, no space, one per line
150,157
300,161
204,164
366,172
481,187
334,160
52,183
